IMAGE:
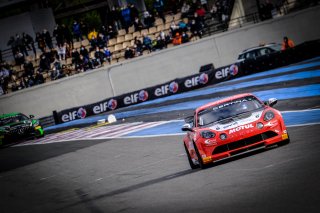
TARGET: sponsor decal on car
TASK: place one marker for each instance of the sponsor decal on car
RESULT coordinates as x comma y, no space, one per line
271,124
239,128
243,121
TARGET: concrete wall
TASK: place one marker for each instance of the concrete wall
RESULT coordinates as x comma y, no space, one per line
159,67
30,23
43,19
58,95
21,23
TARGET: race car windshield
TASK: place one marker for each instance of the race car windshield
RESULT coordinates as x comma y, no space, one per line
13,119
228,110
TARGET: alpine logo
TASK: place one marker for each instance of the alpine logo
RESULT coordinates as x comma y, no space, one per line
237,129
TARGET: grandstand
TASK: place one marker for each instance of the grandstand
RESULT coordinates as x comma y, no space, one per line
127,38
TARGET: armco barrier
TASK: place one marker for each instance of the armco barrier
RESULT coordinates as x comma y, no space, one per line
299,53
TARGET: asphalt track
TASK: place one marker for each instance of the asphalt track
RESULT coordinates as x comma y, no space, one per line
151,174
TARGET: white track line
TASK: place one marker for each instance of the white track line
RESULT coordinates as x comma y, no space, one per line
136,128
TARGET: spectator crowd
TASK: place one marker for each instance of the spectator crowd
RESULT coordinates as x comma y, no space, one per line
60,47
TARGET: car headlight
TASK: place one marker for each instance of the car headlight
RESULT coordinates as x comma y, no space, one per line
207,134
268,116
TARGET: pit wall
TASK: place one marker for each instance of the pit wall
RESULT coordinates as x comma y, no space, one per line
159,67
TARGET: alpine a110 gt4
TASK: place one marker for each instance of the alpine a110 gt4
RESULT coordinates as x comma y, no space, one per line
230,127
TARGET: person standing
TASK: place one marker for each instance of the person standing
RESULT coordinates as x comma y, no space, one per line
287,43
28,40
20,45
158,5
47,38
76,29
41,42
58,34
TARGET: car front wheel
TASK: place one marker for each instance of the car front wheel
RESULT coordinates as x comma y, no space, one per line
192,165
201,164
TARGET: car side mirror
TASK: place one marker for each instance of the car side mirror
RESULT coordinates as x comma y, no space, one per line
271,102
31,116
186,127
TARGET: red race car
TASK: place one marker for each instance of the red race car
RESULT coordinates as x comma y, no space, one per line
230,127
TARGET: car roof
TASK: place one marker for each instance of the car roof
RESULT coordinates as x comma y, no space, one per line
211,104
259,47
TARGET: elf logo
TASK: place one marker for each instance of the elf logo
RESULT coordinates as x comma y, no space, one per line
80,113
105,106
135,97
112,104
225,72
197,80
166,89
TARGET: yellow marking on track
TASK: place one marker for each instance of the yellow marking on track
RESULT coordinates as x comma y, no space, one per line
69,130
97,125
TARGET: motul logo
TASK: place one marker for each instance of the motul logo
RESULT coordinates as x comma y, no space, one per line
248,126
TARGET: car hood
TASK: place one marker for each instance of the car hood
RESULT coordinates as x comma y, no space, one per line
237,121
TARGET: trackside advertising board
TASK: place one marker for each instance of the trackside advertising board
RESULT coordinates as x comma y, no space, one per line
304,51
175,86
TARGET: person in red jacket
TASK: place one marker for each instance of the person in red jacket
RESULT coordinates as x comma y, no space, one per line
287,43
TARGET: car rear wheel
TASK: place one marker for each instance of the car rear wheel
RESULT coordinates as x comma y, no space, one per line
201,164
192,165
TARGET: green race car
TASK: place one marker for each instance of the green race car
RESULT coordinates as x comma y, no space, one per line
17,126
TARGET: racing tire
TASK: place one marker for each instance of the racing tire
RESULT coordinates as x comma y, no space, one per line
192,165
201,164
39,136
